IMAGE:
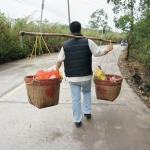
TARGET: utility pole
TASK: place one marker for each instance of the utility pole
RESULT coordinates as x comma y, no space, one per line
42,7
41,15
68,12
132,7
132,21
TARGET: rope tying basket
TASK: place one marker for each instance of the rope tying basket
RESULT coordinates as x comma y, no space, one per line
108,90
42,92
107,86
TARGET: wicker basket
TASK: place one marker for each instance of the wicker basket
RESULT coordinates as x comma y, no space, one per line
42,92
108,90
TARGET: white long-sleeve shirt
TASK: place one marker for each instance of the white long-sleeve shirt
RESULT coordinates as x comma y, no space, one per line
96,51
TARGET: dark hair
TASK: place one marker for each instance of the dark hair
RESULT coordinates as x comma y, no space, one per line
75,27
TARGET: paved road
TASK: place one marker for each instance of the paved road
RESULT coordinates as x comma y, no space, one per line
12,74
120,125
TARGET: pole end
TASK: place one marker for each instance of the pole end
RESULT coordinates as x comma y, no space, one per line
22,33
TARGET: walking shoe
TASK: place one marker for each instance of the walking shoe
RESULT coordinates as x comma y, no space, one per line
78,124
87,116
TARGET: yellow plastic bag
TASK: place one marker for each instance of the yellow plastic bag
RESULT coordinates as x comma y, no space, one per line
99,74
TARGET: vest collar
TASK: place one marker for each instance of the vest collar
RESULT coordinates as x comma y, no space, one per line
77,34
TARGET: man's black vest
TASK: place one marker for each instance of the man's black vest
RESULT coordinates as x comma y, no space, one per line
78,57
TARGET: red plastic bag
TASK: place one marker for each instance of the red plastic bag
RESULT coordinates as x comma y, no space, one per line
42,74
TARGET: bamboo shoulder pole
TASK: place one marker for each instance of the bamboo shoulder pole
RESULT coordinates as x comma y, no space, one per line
22,33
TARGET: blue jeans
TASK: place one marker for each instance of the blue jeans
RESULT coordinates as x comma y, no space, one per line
76,98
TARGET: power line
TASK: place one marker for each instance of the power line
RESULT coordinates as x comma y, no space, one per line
29,2
47,8
99,2
52,9
57,9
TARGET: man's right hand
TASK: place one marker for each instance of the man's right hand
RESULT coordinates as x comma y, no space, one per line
109,48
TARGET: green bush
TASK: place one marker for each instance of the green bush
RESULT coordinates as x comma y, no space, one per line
141,39
10,48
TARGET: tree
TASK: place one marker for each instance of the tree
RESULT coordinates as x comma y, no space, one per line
142,38
144,4
139,34
99,20
129,7
120,5
124,22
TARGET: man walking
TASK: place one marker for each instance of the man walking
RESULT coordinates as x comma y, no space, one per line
77,57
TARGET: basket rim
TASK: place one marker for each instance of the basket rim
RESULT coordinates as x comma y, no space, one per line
120,77
31,76
107,82
32,81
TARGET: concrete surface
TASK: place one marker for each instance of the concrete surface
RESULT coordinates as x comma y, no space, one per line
12,73
120,125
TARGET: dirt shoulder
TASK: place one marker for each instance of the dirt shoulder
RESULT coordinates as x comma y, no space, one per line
137,76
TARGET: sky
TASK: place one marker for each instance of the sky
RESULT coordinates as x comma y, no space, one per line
57,10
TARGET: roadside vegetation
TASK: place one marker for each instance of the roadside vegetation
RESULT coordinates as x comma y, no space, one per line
10,48
134,63
134,26
135,23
